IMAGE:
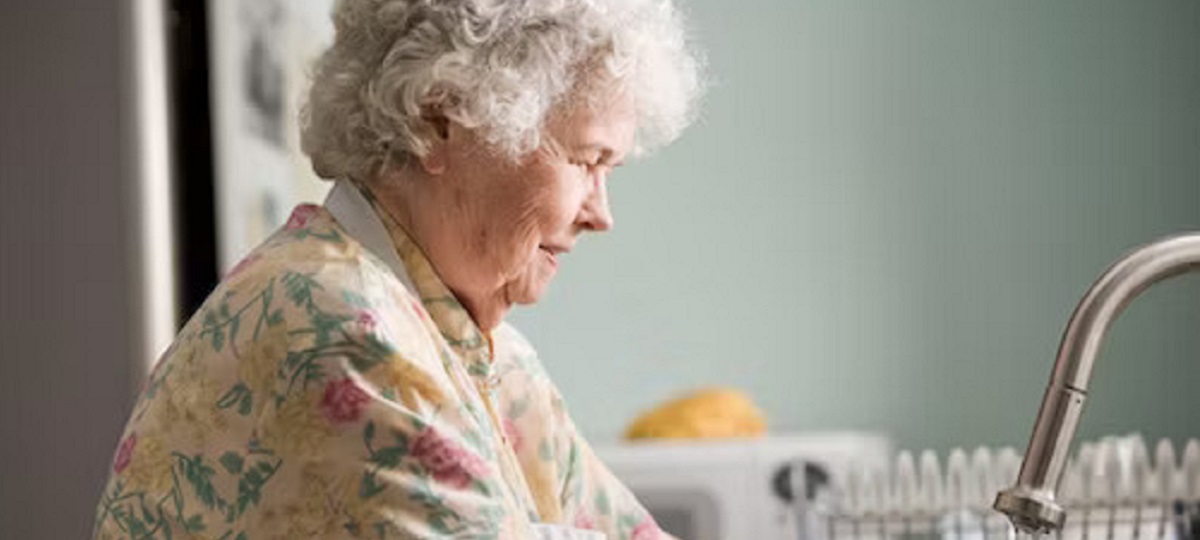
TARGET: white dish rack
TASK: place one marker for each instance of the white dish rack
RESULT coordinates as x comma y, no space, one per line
1112,490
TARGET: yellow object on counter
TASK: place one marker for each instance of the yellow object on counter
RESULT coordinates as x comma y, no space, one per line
712,413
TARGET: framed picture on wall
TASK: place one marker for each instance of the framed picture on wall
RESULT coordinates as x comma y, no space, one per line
260,56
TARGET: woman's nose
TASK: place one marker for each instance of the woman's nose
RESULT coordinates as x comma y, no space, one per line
595,214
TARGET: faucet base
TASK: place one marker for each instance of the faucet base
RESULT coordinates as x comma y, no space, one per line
1030,511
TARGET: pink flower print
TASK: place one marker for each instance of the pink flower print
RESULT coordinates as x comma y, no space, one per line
646,530
449,463
344,401
242,265
512,434
124,453
584,520
302,215
367,320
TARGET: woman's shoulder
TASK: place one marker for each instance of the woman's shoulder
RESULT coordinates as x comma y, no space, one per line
312,268
314,246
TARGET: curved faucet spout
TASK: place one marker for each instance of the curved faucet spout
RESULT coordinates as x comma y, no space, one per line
1031,504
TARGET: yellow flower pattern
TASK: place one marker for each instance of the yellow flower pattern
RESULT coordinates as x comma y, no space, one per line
316,395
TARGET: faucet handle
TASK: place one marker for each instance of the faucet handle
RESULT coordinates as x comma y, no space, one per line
1030,511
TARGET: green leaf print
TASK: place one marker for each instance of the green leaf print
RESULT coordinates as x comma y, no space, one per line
475,440
331,235
194,524
529,363
437,522
545,453
518,407
245,405
299,288
199,475
251,483
369,487
626,523
478,369
239,395
254,446
327,326
389,457
313,373
293,359
218,339
369,435
355,299
573,459
232,462
234,324
263,316
217,325
364,363
147,516
210,318
481,487
154,383
423,495
603,506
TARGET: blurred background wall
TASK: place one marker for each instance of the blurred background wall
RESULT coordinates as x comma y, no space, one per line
66,295
882,221
886,216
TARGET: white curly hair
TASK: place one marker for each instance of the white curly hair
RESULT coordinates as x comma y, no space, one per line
498,67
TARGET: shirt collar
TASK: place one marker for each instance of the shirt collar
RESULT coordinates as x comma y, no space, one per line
364,219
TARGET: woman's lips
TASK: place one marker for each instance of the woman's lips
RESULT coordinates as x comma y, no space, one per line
552,254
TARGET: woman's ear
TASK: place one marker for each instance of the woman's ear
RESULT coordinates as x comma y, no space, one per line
434,160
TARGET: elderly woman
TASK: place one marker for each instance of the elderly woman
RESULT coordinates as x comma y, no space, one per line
353,377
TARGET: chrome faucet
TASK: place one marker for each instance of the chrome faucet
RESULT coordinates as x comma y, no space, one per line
1031,504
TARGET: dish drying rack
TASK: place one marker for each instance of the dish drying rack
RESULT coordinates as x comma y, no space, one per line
1112,490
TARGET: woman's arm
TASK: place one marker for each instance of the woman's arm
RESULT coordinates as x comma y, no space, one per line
591,494
570,485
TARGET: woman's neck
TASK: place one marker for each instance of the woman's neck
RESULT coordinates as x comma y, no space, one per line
418,205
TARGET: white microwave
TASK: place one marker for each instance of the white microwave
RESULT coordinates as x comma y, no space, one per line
744,489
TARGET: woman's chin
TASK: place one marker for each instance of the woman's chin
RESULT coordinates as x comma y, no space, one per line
528,293
529,297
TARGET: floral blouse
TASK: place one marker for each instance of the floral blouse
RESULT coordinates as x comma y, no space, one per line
320,393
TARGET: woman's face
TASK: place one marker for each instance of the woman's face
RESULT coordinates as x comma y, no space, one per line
496,231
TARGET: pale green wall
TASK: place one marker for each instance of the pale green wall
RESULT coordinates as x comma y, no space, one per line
886,216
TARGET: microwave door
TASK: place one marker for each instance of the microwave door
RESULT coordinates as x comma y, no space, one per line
685,513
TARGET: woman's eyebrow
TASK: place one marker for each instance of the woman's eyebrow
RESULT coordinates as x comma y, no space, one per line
613,160
607,154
